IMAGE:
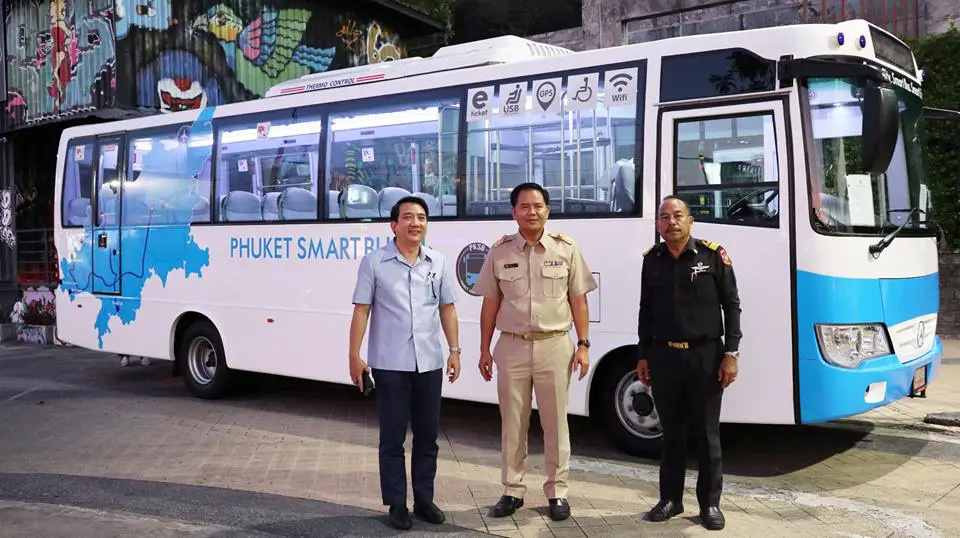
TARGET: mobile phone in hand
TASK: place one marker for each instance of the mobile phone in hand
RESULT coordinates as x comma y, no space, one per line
367,383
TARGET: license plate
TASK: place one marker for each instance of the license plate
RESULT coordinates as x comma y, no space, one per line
919,380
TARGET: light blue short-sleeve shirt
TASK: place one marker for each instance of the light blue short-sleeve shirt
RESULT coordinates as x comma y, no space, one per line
405,299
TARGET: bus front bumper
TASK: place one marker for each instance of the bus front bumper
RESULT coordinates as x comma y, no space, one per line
829,392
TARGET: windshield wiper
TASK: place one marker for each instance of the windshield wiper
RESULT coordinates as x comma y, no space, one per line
882,244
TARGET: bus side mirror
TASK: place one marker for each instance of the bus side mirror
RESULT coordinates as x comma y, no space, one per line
881,127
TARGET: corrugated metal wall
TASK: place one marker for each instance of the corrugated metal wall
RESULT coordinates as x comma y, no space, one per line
72,56
190,52
60,59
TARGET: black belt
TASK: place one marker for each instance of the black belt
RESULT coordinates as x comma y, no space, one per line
686,344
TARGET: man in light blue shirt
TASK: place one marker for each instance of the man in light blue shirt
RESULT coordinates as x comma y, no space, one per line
406,290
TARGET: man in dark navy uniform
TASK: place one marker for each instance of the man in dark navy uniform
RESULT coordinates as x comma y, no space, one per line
688,354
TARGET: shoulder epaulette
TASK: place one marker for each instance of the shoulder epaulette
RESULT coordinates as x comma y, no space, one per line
649,250
561,237
710,244
500,241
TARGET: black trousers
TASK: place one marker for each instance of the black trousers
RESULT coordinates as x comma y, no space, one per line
408,398
686,389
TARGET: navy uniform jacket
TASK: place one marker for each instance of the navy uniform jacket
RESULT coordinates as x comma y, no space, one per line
681,299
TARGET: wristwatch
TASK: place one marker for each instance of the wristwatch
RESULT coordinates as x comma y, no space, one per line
584,343
455,350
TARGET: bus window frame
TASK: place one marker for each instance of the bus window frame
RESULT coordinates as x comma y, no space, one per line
769,112
640,114
312,110
448,93
148,132
85,140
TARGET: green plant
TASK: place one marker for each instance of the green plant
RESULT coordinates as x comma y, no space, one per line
937,56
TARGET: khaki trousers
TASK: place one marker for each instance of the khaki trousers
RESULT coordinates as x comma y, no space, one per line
545,367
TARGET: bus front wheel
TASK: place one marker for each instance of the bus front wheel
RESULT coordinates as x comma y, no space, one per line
202,364
629,412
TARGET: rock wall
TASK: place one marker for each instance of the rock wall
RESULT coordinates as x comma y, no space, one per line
948,325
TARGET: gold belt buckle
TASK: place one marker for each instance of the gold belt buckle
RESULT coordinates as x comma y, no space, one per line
536,335
678,345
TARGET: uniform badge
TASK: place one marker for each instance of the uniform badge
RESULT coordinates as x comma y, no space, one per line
697,269
553,263
724,257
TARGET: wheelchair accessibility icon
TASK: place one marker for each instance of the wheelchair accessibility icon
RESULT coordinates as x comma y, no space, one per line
585,92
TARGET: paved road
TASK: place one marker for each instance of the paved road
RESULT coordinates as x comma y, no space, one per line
123,451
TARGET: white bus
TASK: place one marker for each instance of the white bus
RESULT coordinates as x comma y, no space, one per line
227,239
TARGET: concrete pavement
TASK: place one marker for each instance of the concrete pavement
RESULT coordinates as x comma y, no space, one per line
72,422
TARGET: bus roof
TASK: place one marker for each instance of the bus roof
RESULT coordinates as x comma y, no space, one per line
507,57
861,37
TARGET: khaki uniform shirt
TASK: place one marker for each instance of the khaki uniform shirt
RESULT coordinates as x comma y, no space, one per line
535,282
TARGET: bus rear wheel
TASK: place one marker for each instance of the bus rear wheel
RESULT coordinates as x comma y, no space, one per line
629,412
202,361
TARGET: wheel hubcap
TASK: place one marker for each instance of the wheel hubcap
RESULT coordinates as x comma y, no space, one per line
202,361
636,409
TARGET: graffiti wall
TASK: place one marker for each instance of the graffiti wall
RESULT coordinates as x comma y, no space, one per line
185,54
66,57
60,58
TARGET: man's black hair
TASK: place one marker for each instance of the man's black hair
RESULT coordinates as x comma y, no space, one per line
515,193
395,210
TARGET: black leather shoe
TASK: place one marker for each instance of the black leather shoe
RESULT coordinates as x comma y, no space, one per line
712,518
559,509
429,512
506,506
400,517
665,510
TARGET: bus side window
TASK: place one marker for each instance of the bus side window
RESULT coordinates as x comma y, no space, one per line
380,153
77,182
267,167
583,154
727,169
168,177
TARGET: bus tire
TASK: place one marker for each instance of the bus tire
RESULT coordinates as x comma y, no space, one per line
627,411
203,364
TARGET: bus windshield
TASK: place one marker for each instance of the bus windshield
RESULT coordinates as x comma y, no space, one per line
845,197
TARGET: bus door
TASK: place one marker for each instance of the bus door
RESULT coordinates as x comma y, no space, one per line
107,268
730,164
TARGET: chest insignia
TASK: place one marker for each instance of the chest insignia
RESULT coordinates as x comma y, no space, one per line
553,263
697,269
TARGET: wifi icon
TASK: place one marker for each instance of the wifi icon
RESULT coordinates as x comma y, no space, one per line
620,81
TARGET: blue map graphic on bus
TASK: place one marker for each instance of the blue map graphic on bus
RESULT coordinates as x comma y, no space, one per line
150,237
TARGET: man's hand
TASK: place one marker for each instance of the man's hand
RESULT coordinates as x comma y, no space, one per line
728,371
643,371
581,360
453,367
486,365
357,367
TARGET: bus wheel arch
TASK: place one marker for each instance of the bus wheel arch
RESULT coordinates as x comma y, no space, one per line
624,406
199,357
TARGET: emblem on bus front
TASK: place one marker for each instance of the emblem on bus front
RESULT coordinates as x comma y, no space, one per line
469,263
921,333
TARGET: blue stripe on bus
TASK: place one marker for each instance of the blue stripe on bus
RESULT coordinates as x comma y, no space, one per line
829,392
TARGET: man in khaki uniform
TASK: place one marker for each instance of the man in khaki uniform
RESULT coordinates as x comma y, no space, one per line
534,287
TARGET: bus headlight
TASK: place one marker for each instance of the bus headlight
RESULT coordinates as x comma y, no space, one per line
847,346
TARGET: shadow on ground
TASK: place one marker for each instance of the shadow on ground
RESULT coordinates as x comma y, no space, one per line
258,513
749,450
